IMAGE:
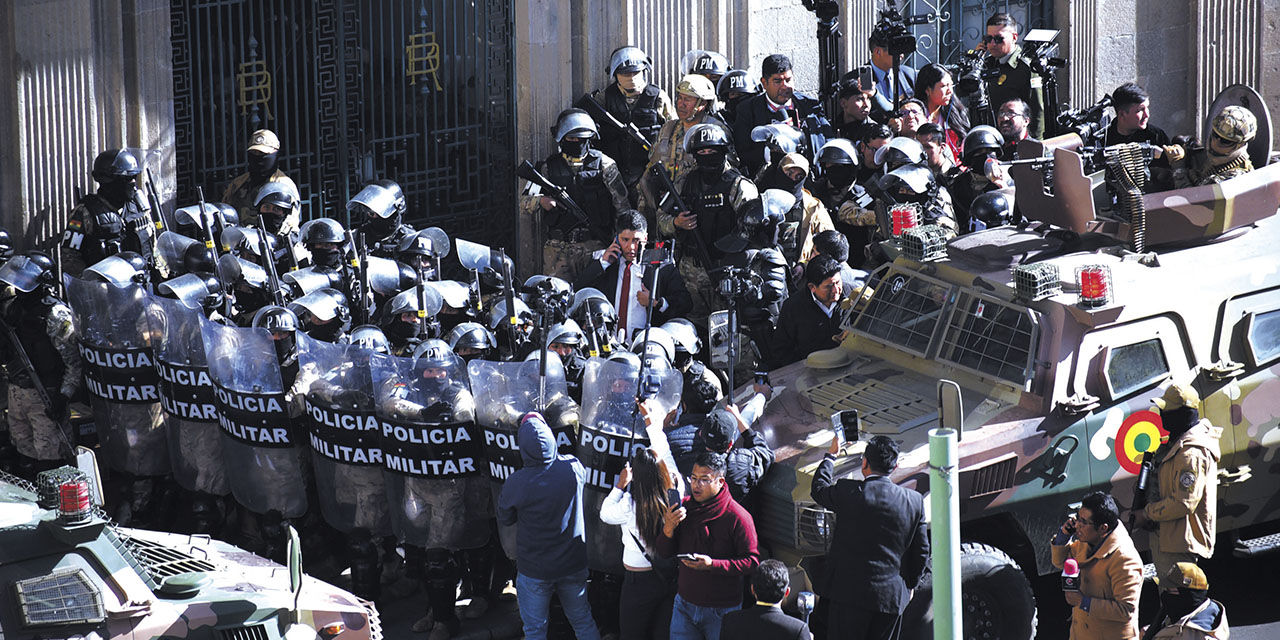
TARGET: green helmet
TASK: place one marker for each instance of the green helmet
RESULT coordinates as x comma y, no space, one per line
1235,124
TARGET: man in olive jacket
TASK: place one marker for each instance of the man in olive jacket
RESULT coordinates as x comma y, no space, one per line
1183,502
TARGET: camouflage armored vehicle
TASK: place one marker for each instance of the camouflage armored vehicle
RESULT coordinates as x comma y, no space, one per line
1059,334
69,573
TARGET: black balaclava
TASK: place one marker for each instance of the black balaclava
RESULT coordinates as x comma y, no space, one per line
710,165
330,258
575,148
1179,421
841,175
118,193
263,165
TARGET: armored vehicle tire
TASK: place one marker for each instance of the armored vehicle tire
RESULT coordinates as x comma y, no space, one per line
996,598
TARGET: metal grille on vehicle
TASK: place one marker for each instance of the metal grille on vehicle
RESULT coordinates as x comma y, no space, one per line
814,527
989,480
62,597
162,561
990,337
884,408
375,620
256,632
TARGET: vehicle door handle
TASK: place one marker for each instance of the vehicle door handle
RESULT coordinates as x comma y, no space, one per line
1240,474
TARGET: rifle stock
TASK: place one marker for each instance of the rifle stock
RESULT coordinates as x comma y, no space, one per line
600,114
527,171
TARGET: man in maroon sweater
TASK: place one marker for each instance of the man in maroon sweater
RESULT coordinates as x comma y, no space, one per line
715,539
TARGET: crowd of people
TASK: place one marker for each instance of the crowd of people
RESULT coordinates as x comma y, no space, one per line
667,225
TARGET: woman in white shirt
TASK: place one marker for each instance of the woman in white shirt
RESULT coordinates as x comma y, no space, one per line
643,494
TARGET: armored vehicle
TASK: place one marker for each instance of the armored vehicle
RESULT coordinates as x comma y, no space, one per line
70,573
1059,332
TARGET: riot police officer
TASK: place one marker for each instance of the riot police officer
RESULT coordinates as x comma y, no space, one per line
598,319
112,220
263,169
39,326
381,204
695,103
280,208
323,314
404,328
716,194
593,180
982,146
566,340
472,340
732,89
632,99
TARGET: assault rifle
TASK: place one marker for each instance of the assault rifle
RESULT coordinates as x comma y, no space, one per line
55,413
527,171
600,114
703,256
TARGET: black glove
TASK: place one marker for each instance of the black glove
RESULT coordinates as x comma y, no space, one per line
57,408
438,412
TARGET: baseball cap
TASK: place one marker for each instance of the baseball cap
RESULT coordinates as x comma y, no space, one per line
264,141
1185,575
1178,395
719,430
794,160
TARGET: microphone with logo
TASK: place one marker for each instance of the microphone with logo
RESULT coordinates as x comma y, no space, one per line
1070,575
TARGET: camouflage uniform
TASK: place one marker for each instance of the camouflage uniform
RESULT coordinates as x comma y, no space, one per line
568,243
1195,167
242,192
668,151
33,433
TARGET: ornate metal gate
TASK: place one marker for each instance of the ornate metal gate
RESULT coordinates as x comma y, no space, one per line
419,91
962,23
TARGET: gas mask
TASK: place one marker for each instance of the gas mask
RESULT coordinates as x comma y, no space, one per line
263,165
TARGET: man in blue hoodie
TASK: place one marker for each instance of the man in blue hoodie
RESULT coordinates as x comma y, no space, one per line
544,500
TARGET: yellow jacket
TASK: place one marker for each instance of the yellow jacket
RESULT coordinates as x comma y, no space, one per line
1111,577
1185,501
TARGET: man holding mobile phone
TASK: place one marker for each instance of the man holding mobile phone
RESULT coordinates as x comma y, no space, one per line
618,271
715,539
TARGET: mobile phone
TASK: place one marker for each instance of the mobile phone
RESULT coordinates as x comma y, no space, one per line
866,78
762,377
685,556
847,424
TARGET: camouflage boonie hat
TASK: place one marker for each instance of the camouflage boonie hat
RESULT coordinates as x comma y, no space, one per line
1235,124
1185,575
1178,395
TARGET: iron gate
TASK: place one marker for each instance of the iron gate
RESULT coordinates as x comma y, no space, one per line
419,91
962,23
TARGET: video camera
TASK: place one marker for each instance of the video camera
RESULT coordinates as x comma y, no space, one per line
825,9
892,29
548,301
1040,52
738,284
972,72
1089,122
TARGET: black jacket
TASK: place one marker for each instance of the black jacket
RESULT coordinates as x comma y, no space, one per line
755,112
763,623
671,288
881,538
802,329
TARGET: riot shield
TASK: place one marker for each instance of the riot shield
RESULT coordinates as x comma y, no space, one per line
114,325
504,393
190,405
337,386
431,454
304,281
171,247
606,443
265,461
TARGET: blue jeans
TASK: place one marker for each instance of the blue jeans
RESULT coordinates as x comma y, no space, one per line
534,597
691,622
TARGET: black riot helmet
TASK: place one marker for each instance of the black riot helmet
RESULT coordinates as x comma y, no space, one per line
629,59
115,165
711,64
31,271
6,245
709,146
376,205
322,313
471,340
492,278
900,151
601,312
278,194
574,132
685,335
981,141
397,194
282,324
367,336
909,183
324,231
837,151
736,81
214,297
435,363
197,257
992,209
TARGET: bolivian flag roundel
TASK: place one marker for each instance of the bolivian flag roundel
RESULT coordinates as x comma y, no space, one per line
1139,433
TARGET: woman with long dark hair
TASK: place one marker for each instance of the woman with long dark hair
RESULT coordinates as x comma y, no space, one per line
935,86
645,491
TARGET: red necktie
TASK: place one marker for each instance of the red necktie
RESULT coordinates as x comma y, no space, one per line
624,300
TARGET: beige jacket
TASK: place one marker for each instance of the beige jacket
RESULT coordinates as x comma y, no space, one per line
1190,629
1111,578
1185,500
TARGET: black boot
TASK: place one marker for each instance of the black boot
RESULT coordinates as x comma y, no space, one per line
366,567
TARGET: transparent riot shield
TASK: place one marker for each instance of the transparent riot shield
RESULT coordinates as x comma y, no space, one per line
114,324
337,386
611,430
186,393
431,454
264,458
504,393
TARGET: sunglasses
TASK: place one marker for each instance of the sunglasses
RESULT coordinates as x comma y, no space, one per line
995,39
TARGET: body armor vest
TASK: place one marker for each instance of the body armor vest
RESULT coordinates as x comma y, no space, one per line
643,113
587,188
713,204
29,320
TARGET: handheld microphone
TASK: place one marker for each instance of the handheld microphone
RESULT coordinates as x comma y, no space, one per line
1070,575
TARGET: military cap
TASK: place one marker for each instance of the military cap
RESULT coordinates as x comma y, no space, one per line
1178,395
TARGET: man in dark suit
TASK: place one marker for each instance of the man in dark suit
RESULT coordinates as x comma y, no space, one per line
766,620
887,89
881,545
810,321
617,274
779,103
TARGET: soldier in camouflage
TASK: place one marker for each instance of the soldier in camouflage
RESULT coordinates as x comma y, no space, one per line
264,160
594,182
41,327
694,98
114,219
1225,157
